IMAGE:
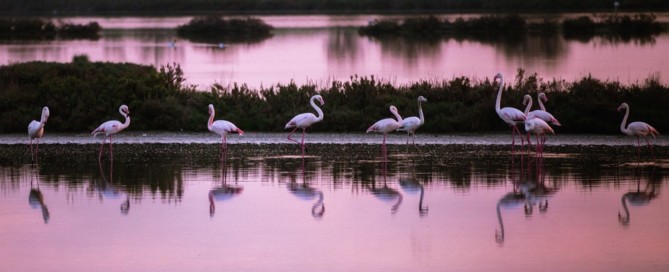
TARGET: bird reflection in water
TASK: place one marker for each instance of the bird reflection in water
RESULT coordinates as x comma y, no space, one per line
637,198
107,189
225,191
305,192
386,193
538,193
36,200
411,185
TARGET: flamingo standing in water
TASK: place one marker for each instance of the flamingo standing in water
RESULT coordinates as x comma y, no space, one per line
112,127
411,124
36,131
385,126
636,128
222,128
511,116
539,128
305,120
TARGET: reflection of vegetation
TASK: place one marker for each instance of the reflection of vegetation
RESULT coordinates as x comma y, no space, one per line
32,28
513,27
82,93
218,29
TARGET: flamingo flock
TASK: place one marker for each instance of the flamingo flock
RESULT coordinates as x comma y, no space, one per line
537,122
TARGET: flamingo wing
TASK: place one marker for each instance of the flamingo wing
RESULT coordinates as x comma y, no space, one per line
410,124
384,126
108,128
512,115
302,120
641,129
223,127
35,129
544,115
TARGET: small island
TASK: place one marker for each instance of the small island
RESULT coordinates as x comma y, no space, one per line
217,29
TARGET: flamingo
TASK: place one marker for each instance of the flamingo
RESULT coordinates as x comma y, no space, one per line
511,116
36,131
225,191
510,200
107,190
636,128
539,128
222,128
386,125
112,127
305,120
411,124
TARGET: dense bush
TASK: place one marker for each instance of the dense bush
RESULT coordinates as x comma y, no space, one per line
83,94
217,29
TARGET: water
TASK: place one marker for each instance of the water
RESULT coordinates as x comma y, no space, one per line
170,206
319,49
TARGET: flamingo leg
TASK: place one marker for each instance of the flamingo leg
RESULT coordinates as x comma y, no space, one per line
413,137
537,145
102,145
302,144
111,151
32,155
291,134
37,150
384,150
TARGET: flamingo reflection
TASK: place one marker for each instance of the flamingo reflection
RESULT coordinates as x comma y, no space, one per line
225,191
539,192
636,198
305,192
36,200
108,190
510,200
411,185
386,193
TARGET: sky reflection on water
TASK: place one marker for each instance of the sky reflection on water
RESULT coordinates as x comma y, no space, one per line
155,214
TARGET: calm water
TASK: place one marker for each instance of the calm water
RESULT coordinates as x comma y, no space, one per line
435,207
318,49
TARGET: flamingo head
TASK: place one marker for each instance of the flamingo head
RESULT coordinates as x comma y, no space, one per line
498,75
393,109
124,110
623,106
319,99
45,114
543,97
422,99
211,108
526,99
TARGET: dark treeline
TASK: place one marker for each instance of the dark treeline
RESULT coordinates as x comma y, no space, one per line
314,6
42,29
515,27
82,94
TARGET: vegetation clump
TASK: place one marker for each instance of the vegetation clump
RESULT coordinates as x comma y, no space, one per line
41,29
514,26
215,28
81,94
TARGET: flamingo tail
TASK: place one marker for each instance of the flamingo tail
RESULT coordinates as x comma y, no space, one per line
240,132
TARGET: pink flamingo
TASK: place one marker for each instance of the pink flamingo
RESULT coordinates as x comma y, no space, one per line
36,131
411,124
511,116
305,120
221,127
385,126
112,127
636,128
539,128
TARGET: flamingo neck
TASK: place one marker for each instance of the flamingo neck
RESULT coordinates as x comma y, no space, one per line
397,115
44,118
498,102
622,125
420,113
541,103
318,110
500,238
399,201
127,121
211,119
529,105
